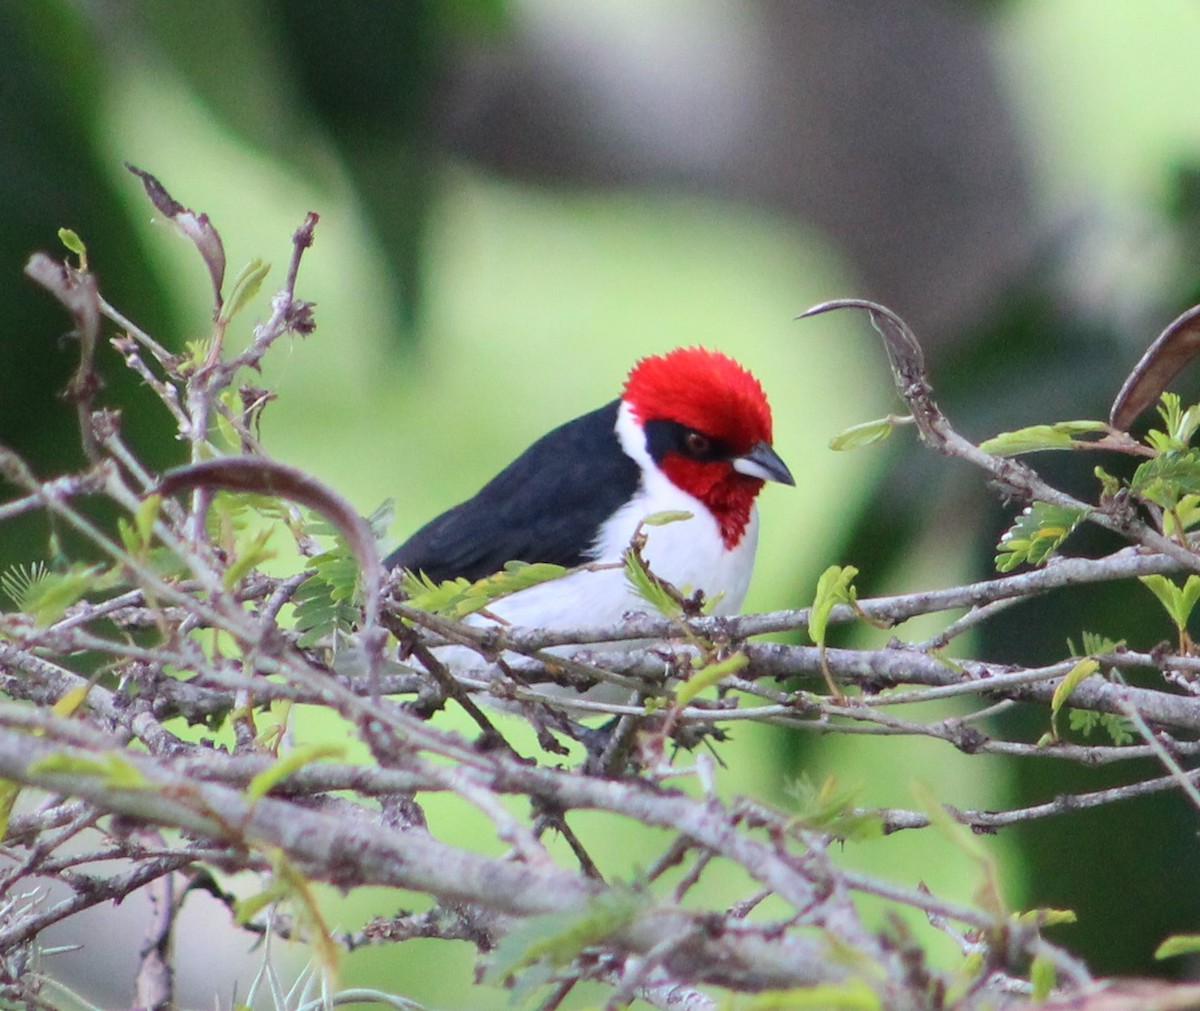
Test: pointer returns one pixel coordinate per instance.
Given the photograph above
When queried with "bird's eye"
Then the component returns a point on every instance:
(696, 444)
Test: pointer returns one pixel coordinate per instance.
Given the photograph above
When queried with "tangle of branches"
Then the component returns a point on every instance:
(164, 621)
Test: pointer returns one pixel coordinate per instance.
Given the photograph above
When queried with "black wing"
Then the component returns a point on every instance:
(545, 506)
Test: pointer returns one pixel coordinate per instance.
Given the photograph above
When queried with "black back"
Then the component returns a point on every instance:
(545, 506)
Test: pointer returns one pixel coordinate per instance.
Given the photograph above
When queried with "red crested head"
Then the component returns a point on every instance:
(704, 390)
(708, 427)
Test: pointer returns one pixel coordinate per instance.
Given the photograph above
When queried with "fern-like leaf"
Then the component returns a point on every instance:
(456, 598)
(45, 595)
(1038, 531)
(19, 581)
(1168, 477)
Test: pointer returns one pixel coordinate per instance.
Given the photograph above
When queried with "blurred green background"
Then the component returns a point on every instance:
(519, 199)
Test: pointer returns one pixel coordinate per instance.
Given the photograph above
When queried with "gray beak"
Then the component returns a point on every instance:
(763, 463)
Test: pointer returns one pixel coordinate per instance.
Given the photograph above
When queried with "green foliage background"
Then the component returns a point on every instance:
(460, 316)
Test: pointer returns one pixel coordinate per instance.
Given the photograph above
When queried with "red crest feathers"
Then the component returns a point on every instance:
(702, 389)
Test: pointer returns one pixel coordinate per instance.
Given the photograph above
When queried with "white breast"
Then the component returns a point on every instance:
(689, 554)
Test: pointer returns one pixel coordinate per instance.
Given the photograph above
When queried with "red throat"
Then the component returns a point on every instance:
(728, 494)
(711, 393)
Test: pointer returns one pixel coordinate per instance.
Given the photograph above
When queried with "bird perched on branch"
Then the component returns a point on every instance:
(691, 433)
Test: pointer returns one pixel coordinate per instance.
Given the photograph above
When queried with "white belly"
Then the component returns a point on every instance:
(674, 553)
(689, 554)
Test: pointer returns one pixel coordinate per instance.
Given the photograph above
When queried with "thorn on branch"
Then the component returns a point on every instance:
(907, 361)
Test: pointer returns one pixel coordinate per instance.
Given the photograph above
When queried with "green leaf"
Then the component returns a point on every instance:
(965, 979)
(649, 587)
(1085, 668)
(231, 400)
(116, 770)
(317, 616)
(865, 434)
(456, 598)
(988, 896)
(558, 937)
(70, 238)
(297, 758)
(244, 909)
(1183, 517)
(436, 598)
(1109, 485)
(1045, 917)
(70, 701)
(240, 510)
(245, 286)
(1168, 477)
(1169, 408)
(382, 518)
(1042, 977)
(709, 675)
(136, 534)
(665, 516)
(835, 586)
(1083, 720)
(1178, 944)
(1037, 532)
(195, 354)
(1177, 601)
(288, 883)
(146, 516)
(325, 603)
(9, 791)
(119, 773)
(45, 595)
(832, 810)
(1095, 644)
(1180, 425)
(515, 576)
(1120, 728)
(1041, 437)
(129, 537)
(19, 581)
(249, 555)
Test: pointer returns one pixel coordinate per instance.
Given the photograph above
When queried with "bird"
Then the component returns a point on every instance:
(690, 435)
